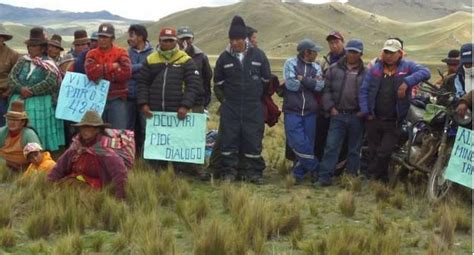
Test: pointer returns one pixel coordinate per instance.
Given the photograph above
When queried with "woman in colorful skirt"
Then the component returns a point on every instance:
(35, 78)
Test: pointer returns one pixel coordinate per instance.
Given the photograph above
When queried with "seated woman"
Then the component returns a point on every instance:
(88, 161)
(15, 135)
(40, 161)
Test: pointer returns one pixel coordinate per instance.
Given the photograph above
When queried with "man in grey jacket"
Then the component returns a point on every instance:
(340, 98)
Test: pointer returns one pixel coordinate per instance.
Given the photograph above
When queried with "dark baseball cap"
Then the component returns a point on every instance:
(106, 29)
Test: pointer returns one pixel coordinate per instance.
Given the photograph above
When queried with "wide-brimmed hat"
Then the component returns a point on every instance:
(80, 37)
(37, 37)
(31, 147)
(453, 58)
(56, 41)
(92, 119)
(5, 34)
(17, 111)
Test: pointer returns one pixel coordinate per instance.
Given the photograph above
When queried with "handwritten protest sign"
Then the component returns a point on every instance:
(78, 94)
(460, 164)
(171, 139)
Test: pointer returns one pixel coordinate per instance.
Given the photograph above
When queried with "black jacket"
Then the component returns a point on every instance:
(167, 85)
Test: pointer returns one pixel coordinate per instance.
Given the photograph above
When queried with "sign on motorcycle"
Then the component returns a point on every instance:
(460, 166)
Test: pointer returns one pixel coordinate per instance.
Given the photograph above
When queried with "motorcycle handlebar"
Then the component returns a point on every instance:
(434, 90)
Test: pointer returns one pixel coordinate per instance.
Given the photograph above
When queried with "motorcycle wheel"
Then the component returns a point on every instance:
(438, 186)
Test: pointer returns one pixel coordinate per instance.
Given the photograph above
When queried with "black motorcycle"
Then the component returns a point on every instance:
(426, 143)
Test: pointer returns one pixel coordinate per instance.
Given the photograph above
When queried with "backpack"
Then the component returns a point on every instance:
(123, 143)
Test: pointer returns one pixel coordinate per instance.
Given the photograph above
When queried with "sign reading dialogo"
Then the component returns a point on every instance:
(171, 139)
(78, 95)
(459, 168)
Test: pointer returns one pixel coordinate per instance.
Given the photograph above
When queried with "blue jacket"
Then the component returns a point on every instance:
(137, 58)
(298, 96)
(407, 71)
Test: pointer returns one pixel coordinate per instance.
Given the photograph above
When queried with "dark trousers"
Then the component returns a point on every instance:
(382, 137)
(136, 122)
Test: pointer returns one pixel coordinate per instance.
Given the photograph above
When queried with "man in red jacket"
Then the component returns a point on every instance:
(111, 63)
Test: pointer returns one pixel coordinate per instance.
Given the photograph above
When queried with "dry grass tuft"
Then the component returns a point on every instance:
(97, 243)
(142, 191)
(6, 208)
(387, 244)
(313, 210)
(436, 246)
(382, 192)
(7, 238)
(352, 183)
(214, 239)
(398, 200)
(154, 239)
(447, 226)
(316, 245)
(348, 240)
(119, 243)
(70, 244)
(380, 224)
(346, 203)
(111, 214)
(289, 182)
(41, 223)
(5, 174)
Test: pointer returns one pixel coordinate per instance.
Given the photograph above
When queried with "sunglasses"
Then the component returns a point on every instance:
(168, 40)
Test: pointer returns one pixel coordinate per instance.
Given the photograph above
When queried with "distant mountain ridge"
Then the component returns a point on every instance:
(9, 13)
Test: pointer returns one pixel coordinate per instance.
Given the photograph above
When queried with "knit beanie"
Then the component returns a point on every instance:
(237, 29)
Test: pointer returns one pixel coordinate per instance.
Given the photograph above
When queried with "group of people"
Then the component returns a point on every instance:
(328, 106)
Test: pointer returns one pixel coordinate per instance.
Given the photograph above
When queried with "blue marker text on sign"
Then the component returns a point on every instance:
(78, 94)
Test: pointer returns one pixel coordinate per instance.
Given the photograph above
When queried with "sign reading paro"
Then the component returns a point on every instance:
(78, 94)
(459, 168)
(171, 139)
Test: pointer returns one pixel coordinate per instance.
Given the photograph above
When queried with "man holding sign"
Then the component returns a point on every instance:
(168, 82)
(111, 63)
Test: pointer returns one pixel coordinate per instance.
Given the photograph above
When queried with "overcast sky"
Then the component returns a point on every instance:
(141, 10)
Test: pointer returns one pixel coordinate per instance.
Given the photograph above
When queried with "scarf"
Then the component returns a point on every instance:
(167, 54)
(46, 64)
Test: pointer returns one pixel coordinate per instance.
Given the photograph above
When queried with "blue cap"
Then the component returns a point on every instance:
(355, 45)
(308, 44)
(466, 53)
(94, 36)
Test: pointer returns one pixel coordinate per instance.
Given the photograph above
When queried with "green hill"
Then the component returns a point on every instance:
(282, 25)
(413, 10)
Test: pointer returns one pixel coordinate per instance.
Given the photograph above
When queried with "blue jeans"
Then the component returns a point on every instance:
(340, 126)
(3, 110)
(300, 134)
(115, 113)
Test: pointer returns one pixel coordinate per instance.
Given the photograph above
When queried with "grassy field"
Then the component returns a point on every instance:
(168, 214)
